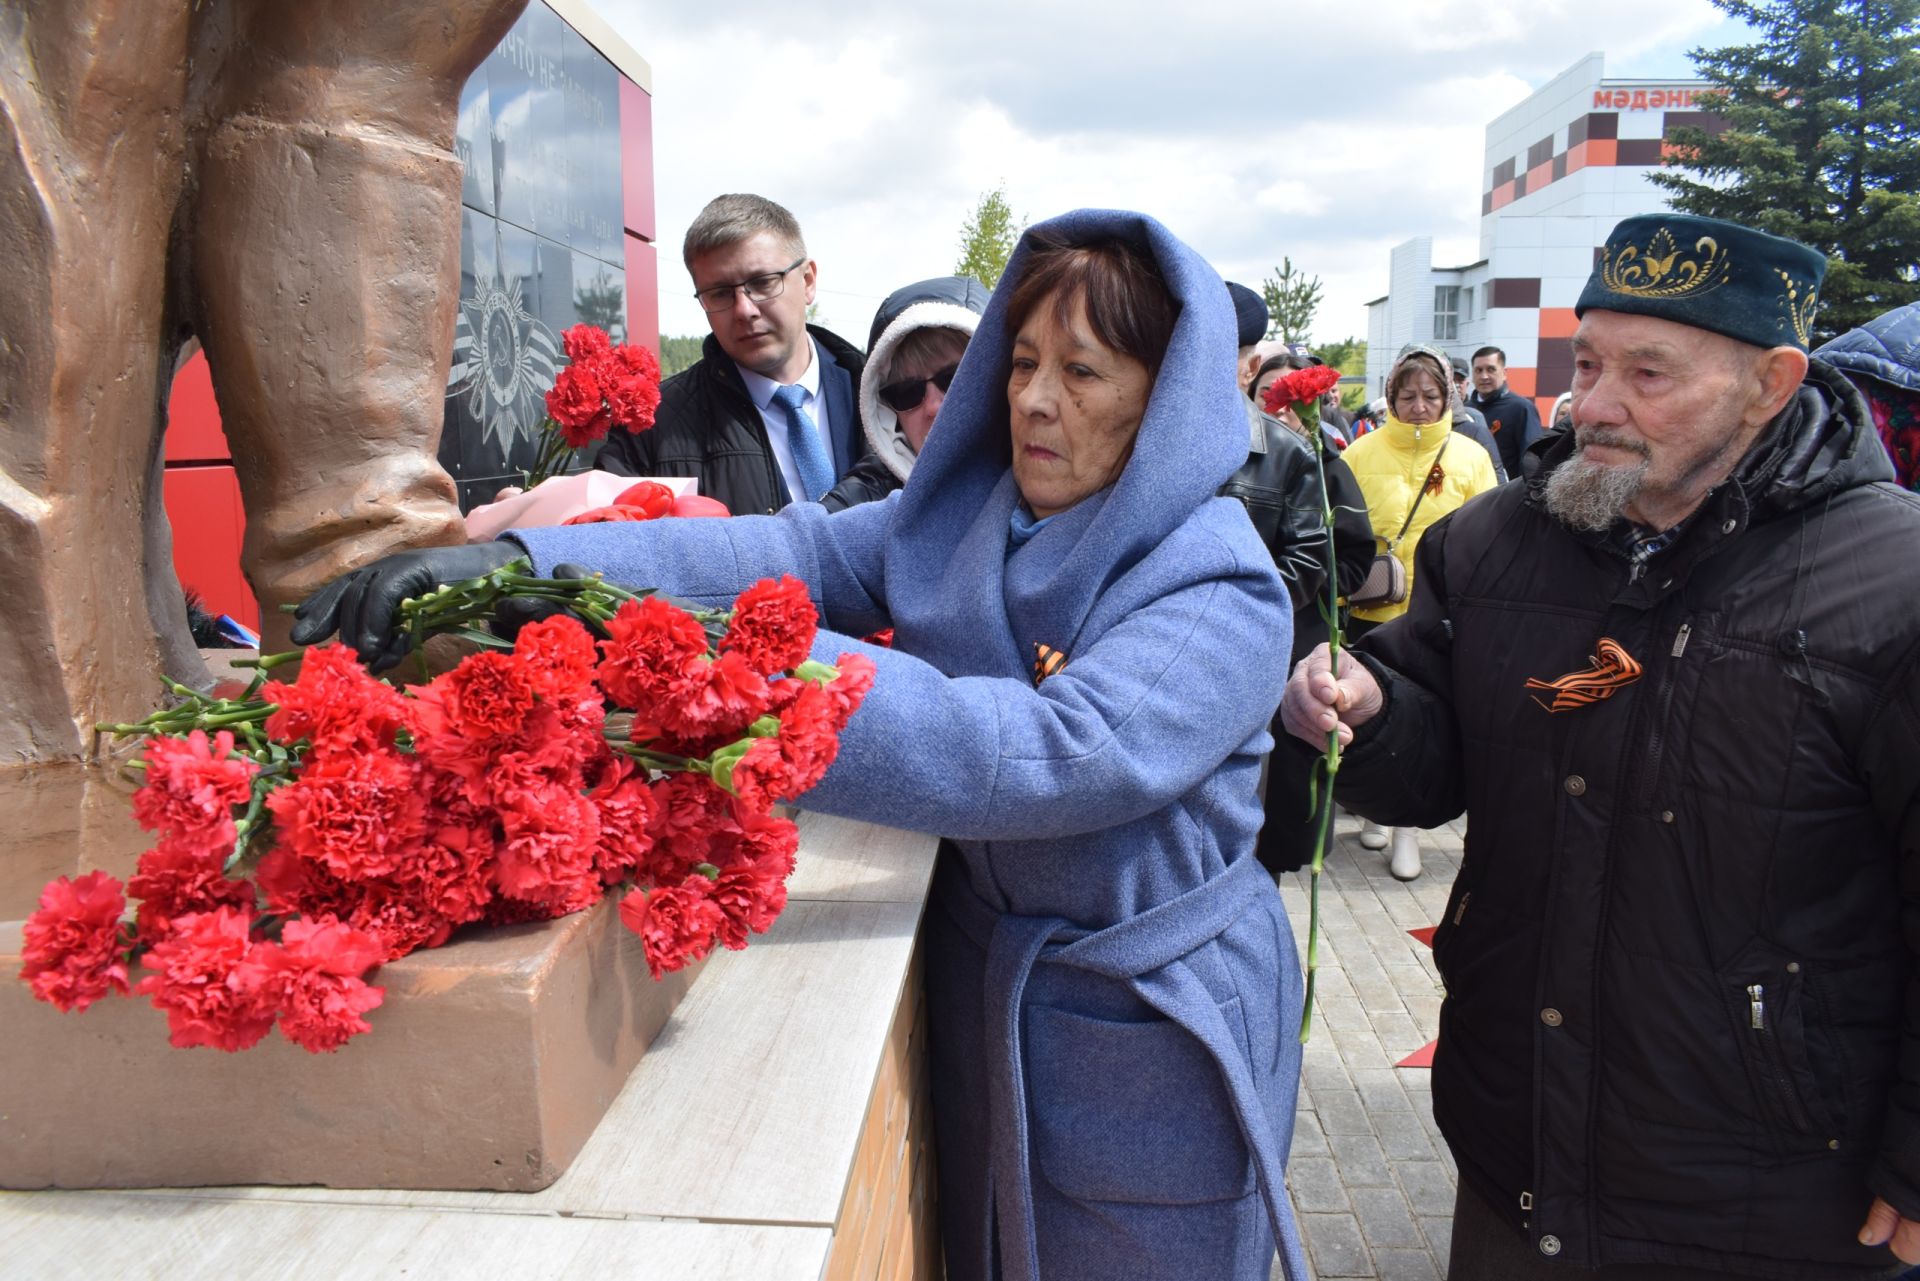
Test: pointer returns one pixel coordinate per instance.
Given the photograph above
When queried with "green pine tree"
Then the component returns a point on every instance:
(987, 238)
(1292, 299)
(1821, 144)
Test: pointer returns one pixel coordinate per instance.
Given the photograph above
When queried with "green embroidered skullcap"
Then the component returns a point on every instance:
(1711, 274)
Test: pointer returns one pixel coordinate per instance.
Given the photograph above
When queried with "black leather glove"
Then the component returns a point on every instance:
(361, 605)
(515, 612)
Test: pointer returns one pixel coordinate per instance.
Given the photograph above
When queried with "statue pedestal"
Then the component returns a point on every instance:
(490, 1062)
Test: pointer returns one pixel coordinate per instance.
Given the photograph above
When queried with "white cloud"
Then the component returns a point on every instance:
(1327, 131)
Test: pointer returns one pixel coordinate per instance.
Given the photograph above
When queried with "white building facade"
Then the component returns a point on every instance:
(1560, 170)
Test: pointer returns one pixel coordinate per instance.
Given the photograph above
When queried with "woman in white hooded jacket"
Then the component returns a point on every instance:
(915, 345)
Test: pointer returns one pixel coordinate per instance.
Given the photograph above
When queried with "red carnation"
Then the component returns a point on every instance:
(577, 403)
(359, 815)
(558, 654)
(650, 655)
(689, 813)
(676, 925)
(883, 638)
(487, 696)
(750, 895)
(725, 696)
(850, 688)
(1300, 386)
(586, 344)
(71, 946)
(335, 703)
(626, 808)
(547, 856)
(773, 625)
(612, 514)
(312, 978)
(633, 387)
(192, 787)
(208, 982)
(177, 877)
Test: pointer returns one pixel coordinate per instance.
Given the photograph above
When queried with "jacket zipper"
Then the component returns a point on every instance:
(1776, 1058)
(1459, 913)
(1657, 741)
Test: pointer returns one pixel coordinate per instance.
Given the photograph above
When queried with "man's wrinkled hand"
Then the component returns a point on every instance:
(1315, 702)
(1886, 1226)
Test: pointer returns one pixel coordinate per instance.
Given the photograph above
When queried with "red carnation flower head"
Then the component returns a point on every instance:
(689, 815)
(176, 877)
(208, 982)
(626, 808)
(586, 344)
(72, 946)
(577, 403)
(358, 816)
(849, 689)
(750, 897)
(551, 837)
(558, 655)
(725, 696)
(773, 625)
(488, 696)
(312, 978)
(676, 924)
(651, 655)
(633, 387)
(1300, 387)
(335, 703)
(192, 786)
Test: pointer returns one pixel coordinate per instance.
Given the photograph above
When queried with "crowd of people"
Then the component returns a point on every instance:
(1664, 655)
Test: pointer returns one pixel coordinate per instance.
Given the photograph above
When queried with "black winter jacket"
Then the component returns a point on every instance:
(707, 426)
(1515, 423)
(1681, 1023)
(1281, 492)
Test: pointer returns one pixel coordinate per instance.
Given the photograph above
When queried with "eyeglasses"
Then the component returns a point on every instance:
(759, 288)
(909, 392)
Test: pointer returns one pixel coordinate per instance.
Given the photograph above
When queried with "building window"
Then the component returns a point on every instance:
(1446, 312)
(1466, 304)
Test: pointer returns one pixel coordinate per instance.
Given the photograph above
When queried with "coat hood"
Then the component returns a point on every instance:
(945, 302)
(1192, 437)
(1886, 347)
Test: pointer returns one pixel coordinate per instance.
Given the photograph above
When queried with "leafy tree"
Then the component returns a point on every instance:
(987, 238)
(1292, 298)
(603, 304)
(1349, 356)
(1821, 143)
(678, 351)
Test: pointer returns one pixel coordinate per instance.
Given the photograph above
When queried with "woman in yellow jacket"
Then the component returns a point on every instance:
(1414, 453)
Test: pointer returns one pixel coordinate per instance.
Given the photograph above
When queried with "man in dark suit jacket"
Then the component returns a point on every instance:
(768, 415)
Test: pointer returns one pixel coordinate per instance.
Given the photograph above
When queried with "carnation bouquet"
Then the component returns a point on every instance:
(1301, 390)
(603, 385)
(309, 829)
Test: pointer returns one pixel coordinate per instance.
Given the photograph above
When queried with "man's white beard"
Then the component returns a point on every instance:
(1583, 494)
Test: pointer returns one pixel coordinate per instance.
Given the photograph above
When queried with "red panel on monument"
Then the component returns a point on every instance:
(643, 293)
(203, 506)
(193, 419)
(636, 158)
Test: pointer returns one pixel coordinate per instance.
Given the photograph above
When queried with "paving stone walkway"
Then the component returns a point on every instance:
(1372, 1180)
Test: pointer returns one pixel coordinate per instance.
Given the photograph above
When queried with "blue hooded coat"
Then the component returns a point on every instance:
(1112, 986)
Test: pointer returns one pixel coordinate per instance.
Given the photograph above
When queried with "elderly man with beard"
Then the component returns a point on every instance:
(1674, 681)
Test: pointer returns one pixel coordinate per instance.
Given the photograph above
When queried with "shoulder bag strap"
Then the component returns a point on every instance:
(1420, 493)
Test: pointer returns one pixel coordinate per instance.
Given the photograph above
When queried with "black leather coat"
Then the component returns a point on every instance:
(1681, 1023)
(707, 426)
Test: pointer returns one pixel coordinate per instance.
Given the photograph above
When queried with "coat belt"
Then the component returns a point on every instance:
(1141, 952)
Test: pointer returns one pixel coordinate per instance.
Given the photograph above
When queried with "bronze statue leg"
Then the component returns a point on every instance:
(91, 146)
(326, 246)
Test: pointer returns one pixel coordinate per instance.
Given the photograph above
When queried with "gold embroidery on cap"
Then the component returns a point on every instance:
(1663, 269)
(1799, 311)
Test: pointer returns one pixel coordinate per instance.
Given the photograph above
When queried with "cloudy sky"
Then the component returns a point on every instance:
(1327, 130)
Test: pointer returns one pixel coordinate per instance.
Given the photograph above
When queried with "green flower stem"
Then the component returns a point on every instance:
(267, 662)
(1329, 764)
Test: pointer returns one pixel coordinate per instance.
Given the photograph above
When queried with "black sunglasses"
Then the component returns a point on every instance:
(908, 393)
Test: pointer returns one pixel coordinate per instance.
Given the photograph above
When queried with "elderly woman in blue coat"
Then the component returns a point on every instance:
(1112, 985)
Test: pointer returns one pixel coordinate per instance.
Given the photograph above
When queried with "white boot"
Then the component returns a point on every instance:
(1405, 860)
(1372, 835)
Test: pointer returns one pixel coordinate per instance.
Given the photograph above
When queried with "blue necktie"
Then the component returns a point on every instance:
(803, 438)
